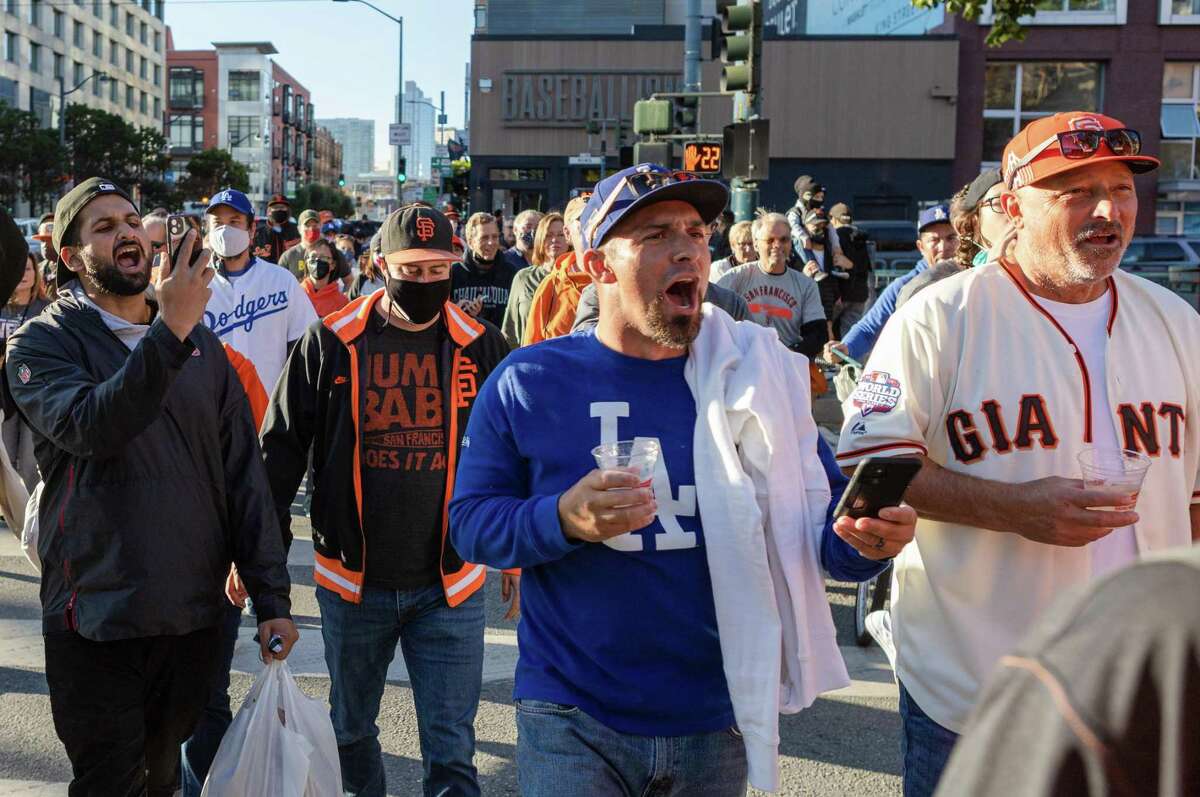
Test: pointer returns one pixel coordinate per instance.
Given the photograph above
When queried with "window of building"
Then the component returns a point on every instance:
(97, 83)
(112, 14)
(35, 13)
(243, 130)
(129, 97)
(35, 57)
(97, 44)
(143, 103)
(143, 68)
(59, 23)
(1016, 93)
(114, 88)
(8, 92)
(1070, 12)
(11, 47)
(129, 61)
(157, 75)
(98, 8)
(243, 86)
(186, 131)
(114, 53)
(10, 6)
(143, 33)
(129, 23)
(157, 42)
(1179, 12)
(59, 65)
(77, 73)
(158, 8)
(77, 34)
(185, 87)
(1177, 218)
(157, 107)
(1180, 122)
(39, 105)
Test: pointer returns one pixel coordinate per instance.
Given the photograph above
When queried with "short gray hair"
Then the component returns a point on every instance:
(527, 215)
(766, 221)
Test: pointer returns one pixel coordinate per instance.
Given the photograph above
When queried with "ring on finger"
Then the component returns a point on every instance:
(879, 544)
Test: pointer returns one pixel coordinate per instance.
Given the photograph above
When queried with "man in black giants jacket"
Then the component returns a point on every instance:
(154, 484)
(381, 390)
(481, 282)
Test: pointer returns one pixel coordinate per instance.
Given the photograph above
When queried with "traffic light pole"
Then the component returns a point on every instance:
(744, 198)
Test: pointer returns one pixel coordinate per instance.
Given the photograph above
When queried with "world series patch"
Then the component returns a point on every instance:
(877, 391)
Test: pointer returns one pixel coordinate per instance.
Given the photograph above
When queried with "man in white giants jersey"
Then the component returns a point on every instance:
(998, 378)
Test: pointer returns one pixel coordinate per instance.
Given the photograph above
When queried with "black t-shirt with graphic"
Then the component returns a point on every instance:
(403, 456)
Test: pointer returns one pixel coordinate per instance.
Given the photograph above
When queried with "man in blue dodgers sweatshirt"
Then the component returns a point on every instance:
(619, 687)
(936, 241)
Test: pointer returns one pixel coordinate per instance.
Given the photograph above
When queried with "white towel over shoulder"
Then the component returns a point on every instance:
(763, 496)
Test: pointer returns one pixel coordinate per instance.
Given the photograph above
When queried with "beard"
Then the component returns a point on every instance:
(673, 333)
(111, 280)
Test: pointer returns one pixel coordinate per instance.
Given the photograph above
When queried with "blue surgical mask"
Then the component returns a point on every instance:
(980, 258)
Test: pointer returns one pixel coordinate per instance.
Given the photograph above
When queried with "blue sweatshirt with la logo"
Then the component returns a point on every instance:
(624, 630)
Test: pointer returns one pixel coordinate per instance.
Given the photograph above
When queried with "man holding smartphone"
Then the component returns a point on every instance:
(143, 427)
(1000, 379)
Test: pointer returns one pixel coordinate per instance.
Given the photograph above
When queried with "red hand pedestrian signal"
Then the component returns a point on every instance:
(701, 157)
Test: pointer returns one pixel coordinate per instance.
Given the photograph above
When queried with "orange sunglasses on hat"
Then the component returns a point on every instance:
(1065, 141)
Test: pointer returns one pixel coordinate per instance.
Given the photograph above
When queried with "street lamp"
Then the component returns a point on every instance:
(62, 102)
(399, 60)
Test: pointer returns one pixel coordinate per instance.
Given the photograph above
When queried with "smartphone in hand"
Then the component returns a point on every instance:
(877, 482)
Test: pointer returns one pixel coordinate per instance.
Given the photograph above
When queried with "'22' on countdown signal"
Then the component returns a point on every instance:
(702, 157)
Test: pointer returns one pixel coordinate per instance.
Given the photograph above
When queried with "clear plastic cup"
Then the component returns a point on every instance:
(1114, 468)
(638, 457)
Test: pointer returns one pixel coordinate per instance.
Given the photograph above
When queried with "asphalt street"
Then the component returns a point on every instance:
(845, 744)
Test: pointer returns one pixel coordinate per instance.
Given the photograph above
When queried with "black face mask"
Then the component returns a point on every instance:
(419, 301)
(318, 269)
(527, 239)
(279, 216)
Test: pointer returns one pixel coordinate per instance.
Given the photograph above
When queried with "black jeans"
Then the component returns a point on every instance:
(122, 708)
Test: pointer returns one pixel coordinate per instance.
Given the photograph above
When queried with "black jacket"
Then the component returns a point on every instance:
(153, 478)
(470, 282)
(317, 402)
(854, 246)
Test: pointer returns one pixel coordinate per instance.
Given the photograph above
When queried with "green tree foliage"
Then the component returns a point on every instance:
(103, 144)
(1005, 15)
(30, 160)
(210, 171)
(320, 197)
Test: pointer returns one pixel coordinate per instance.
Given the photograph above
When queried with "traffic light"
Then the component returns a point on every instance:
(741, 45)
(652, 116)
(686, 114)
(746, 149)
(341, 181)
(402, 170)
(653, 152)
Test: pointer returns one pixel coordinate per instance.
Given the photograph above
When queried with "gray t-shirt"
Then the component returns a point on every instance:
(785, 302)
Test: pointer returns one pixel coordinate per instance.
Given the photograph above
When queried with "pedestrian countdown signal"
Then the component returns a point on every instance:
(702, 157)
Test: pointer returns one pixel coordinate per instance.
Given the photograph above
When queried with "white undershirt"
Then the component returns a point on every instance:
(1087, 324)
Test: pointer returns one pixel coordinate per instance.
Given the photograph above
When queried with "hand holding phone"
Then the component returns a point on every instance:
(870, 516)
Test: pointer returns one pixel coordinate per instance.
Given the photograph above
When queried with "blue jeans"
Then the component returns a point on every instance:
(197, 752)
(925, 747)
(561, 750)
(443, 651)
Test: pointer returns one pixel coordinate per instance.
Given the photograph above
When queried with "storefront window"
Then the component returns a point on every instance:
(1016, 93)
(1180, 122)
(517, 175)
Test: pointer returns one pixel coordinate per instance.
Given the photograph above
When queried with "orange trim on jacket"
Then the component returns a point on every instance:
(552, 309)
(348, 324)
(247, 374)
(326, 300)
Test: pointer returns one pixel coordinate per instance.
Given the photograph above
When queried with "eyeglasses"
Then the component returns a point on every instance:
(640, 183)
(994, 204)
(1080, 144)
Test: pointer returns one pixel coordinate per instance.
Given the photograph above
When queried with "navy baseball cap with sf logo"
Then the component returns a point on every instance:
(417, 234)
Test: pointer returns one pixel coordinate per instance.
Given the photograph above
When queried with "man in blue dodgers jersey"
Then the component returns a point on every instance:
(619, 686)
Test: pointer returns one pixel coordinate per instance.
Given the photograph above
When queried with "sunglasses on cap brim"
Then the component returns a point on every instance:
(640, 183)
(1082, 144)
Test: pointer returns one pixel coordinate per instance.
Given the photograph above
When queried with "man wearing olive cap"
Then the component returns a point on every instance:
(153, 486)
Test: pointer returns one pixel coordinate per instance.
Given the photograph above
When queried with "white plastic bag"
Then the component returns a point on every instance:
(281, 744)
(29, 534)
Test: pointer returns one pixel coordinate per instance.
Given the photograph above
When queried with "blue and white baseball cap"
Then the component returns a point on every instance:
(938, 214)
(642, 185)
(233, 198)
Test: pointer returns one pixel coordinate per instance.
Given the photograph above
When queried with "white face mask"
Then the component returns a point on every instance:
(228, 242)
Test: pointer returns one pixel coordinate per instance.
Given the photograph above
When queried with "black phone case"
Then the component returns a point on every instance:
(877, 482)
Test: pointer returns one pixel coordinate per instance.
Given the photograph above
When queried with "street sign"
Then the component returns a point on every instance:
(399, 135)
(584, 159)
(702, 157)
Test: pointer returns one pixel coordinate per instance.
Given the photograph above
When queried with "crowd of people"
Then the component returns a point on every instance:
(446, 388)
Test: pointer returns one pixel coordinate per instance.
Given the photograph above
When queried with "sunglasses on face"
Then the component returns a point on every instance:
(640, 183)
(1081, 144)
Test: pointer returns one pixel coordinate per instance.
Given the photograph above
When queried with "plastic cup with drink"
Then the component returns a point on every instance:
(639, 457)
(1114, 469)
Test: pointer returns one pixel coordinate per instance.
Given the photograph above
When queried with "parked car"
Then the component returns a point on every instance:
(894, 243)
(1155, 253)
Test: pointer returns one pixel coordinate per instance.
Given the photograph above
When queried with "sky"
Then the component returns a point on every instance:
(344, 53)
